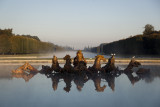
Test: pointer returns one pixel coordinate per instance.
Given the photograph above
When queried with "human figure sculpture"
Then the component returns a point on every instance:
(79, 58)
(80, 62)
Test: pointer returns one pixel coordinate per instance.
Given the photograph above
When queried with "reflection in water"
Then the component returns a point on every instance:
(25, 76)
(80, 79)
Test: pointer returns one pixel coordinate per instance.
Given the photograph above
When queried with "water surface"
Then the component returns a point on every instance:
(41, 90)
(79, 91)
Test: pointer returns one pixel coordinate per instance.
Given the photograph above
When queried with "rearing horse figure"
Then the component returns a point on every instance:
(133, 63)
(97, 63)
(110, 66)
(67, 67)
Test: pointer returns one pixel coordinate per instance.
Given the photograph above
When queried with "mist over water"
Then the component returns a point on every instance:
(72, 54)
(61, 54)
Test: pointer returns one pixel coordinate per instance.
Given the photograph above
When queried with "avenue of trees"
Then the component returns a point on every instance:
(147, 43)
(23, 44)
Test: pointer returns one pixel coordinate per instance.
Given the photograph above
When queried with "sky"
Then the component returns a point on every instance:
(79, 23)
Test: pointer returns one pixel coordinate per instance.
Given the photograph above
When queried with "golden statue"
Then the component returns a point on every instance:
(26, 67)
(79, 58)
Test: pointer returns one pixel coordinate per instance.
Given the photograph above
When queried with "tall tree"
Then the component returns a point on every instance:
(148, 29)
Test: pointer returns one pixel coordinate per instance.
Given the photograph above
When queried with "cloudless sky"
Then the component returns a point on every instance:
(79, 23)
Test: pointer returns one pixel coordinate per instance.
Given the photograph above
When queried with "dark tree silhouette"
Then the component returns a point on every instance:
(148, 29)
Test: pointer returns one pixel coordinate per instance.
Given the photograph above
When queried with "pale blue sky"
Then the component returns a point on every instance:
(79, 23)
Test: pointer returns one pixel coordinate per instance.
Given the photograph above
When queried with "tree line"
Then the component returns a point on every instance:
(23, 44)
(147, 43)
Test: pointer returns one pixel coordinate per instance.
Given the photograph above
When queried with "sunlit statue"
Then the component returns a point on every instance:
(97, 63)
(79, 58)
(25, 71)
(25, 68)
(80, 63)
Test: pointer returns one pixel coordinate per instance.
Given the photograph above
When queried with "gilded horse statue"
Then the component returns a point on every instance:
(97, 63)
(132, 63)
(25, 68)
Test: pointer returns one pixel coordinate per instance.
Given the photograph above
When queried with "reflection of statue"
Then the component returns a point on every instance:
(143, 71)
(133, 79)
(67, 79)
(25, 76)
(110, 66)
(110, 79)
(146, 75)
(97, 83)
(67, 67)
(25, 68)
(55, 80)
(79, 58)
(79, 80)
(97, 63)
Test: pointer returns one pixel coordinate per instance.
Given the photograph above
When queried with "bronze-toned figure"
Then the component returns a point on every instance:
(110, 66)
(79, 58)
(67, 67)
(26, 67)
(97, 63)
(55, 65)
(133, 63)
